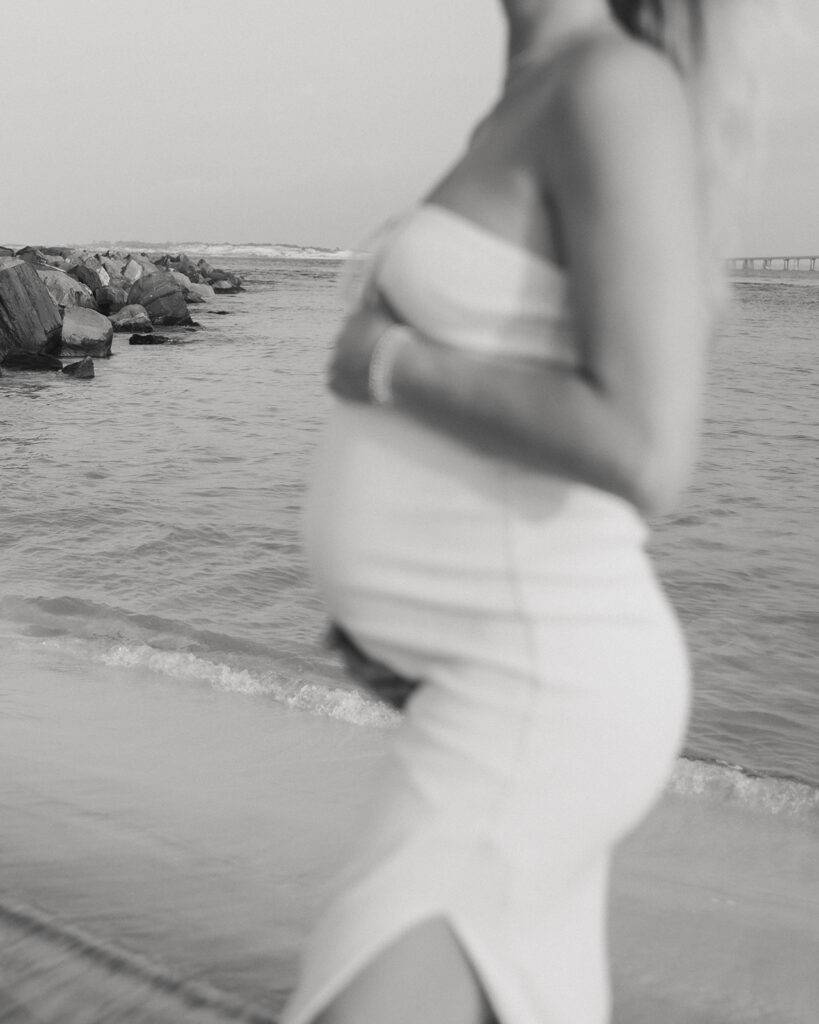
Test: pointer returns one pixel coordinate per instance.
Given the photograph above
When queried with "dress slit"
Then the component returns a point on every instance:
(399, 896)
(479, 961)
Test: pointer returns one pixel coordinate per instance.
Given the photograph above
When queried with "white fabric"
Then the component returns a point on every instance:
(456, 282)
(555, 681)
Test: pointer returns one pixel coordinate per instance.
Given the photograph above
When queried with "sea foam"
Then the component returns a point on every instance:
(691, 778)
(353, 706)
(733, 785)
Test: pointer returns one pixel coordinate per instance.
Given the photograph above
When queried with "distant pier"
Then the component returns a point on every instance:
(772, 262)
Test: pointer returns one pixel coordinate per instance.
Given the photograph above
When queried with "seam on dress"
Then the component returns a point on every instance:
(519, 608)
(518, 603)
(526, 728)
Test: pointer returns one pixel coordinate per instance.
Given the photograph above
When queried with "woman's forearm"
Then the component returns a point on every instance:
(548, 416)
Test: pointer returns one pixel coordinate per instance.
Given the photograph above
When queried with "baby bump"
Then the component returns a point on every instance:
(494, 583)
(400, 513)
(394, 506)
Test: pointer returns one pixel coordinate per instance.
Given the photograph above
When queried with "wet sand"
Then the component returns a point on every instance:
(151, 871)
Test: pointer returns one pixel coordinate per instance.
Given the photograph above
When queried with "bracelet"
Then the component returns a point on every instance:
(382, 364)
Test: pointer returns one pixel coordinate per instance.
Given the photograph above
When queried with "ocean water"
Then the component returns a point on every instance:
(739, 559)
(161, 665)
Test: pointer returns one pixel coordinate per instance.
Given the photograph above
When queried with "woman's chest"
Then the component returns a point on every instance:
(497, 184)
(464, 285)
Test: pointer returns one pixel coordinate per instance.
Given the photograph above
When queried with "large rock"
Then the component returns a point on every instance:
(65, 290)
(200, 289)
(6, 251)
(29, 317)
(222, 280)
(148, 339)
(225, 287)
(190, 293)
(148, 266)
(56, 250)
(86, 333)
(91, 272)
(131, 272)
(16, 360)
(114, 266)
(162, 298)
(206, 270)
(132, 318)
(83, 370)
(181, 279)
(186, 266)
(32, 254)
(111, 299)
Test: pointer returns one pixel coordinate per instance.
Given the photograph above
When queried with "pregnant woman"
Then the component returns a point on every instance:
(519, 385)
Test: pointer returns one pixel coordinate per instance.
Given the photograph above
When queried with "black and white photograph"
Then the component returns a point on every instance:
(409, 547)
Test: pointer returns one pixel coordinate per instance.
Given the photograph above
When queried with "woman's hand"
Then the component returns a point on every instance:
(348, 375)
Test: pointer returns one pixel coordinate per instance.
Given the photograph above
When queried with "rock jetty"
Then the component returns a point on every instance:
(30, 320)
(56, 301)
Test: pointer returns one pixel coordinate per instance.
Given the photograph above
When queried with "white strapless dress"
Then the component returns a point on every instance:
(555, 682)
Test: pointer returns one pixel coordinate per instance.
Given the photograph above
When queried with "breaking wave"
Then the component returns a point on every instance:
(732, 784)
(692, 777)
(346, 705)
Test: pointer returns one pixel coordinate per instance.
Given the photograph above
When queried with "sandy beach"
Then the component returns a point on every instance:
(147, 877)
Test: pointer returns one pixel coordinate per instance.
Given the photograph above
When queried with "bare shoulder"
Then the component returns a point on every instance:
(614, 95)
(615, 74)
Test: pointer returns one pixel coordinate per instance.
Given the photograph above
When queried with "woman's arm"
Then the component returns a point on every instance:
(622, 178)
(546, 416)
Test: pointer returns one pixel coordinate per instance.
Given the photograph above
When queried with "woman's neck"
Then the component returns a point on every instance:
(538, 27)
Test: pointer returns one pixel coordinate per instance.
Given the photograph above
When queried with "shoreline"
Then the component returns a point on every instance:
(168, 845)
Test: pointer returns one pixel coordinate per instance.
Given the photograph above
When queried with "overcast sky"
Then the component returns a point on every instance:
(302, 121)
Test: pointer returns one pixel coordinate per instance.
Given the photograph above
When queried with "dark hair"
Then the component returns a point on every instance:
(649, 20)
